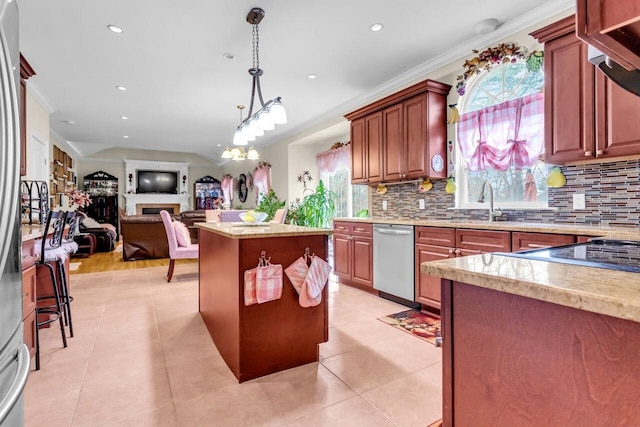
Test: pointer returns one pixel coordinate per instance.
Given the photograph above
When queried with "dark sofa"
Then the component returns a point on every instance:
(143, 236)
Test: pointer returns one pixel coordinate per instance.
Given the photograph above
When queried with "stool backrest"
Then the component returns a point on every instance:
(73, 223)
(54, 230)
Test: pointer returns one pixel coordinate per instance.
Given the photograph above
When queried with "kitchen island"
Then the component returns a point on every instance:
(529, 342)
(259, 339)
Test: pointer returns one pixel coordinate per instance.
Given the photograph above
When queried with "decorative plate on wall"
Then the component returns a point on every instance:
(242, 188)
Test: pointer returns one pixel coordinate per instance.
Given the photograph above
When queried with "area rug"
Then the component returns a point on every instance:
(417, 324)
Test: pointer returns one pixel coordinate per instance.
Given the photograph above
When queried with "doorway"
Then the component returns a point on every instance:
(38, 167)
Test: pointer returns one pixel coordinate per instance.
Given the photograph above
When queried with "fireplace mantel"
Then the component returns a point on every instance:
(157, 200)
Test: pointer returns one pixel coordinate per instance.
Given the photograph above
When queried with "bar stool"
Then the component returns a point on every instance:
(70, 246)
(51, 251)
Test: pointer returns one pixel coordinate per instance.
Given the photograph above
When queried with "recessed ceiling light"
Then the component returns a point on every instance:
(69, 122)
(115, 29)
(486, 26)
(126, 137)
(376, 27)
(312, 76)
(229, 56)
(121, 88)
(218, 145)
(124, 117)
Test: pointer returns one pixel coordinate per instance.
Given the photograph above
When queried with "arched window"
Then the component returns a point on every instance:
(500, 137)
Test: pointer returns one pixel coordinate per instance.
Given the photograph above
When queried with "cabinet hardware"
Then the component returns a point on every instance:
(25, 295)
(534, 245)
(599, 152)
(588, 153)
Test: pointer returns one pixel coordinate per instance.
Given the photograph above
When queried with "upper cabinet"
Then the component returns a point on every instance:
(402, 136)
(613, 27)
(25, 72)
(586, 115)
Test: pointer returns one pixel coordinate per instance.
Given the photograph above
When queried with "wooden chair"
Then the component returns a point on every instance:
(176, 251)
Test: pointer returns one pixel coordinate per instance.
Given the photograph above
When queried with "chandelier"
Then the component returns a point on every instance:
(238, 153)
(270, 113)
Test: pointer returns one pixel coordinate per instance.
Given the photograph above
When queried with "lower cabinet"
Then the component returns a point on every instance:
(353, 254)
(436, 243)
(29, 295)
(522, 241)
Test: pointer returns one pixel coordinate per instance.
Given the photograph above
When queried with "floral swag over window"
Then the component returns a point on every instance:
(503, 135)
(337, 157)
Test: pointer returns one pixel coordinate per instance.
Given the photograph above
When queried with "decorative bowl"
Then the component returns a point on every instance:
(253, 217)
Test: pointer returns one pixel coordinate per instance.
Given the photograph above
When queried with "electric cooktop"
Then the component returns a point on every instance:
(603, 253)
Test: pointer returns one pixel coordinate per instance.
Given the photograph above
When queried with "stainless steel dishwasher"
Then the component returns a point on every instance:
(393, 261)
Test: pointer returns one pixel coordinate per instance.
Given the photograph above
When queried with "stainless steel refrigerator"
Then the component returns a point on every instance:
(14, 356)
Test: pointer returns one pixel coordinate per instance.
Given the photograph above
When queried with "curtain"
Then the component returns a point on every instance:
(227, 188)
(331, 161)
(503, 135)
(262, 180)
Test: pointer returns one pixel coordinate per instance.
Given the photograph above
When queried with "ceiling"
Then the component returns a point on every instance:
(182, 93)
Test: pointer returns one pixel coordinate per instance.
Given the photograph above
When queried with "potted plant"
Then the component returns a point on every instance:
(269, 204)
(315, 210)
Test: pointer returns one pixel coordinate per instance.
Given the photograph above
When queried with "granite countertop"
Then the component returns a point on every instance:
(31, 232)
(610, 292)
(533, 227)
(238, 230)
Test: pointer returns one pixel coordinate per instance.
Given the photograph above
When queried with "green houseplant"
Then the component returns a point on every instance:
(315, 209)
(269, 204)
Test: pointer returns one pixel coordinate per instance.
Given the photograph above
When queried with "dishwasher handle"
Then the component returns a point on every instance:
(393, 232)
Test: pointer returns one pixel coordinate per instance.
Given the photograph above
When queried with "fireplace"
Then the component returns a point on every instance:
(155, 208)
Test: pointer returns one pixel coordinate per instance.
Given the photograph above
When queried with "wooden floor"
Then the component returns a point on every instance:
(109, 261)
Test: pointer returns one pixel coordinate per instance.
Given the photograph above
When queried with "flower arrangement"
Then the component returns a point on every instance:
(500, 54)
(77, 197)
(304, 178)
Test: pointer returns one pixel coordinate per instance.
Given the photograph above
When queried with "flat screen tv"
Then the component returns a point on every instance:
(157, 182)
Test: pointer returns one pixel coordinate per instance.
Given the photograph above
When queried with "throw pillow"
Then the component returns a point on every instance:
(182, 234)
(90, 223)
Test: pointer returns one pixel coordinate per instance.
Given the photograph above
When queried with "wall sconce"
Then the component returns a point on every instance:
(184, 179)
(130, 178)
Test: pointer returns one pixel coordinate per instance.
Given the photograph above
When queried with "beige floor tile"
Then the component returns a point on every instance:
(354, 412)
(186, 339)
(363, 369)
(163, 417)
(78, 349)
(112, 322)
(300, 391)
(237, 405)
(123, 397)
(339, 342)
(192, 378)
(419, 402)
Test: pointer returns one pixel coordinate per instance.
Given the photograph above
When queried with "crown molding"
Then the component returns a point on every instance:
(32, 88)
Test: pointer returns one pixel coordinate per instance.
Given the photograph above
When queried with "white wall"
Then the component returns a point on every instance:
(37, 124)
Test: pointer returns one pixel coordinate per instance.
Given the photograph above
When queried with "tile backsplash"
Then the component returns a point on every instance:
(612, 192)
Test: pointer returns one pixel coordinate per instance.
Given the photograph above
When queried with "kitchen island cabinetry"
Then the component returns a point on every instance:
(353, 254)
(29, 295)
(402, 136)
(586, 115)
(259, 339)
(508, 310)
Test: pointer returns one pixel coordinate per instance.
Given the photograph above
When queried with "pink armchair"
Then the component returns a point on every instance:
(176, 251)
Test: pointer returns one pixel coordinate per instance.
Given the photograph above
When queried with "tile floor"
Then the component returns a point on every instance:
(141, 356)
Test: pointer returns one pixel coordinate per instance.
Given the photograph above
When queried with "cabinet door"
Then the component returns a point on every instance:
(28, 290)
(428, 287)
(358, 152)
(617, 133)
(415, 137)
(362, 267)
(374, 147)
(569, 100)
(342, 256)
(523, 241)
(393, 143)
(29, 332)
(436, 134)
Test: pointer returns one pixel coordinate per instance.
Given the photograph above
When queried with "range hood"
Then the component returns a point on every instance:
(629, 80)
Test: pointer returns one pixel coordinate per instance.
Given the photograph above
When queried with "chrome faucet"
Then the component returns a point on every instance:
(493, 214)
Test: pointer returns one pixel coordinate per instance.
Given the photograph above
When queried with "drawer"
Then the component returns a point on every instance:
(524, 241)
(438, 236)
(28, 254)
(483, 240)
(28, 290)
(342, 227)
(362, 229)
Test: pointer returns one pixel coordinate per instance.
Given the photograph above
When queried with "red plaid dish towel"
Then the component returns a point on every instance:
(262, 284)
